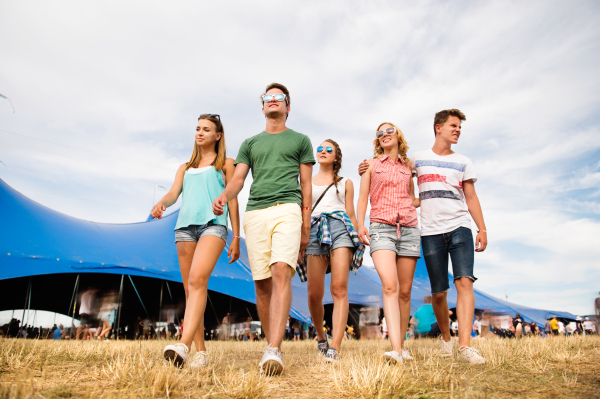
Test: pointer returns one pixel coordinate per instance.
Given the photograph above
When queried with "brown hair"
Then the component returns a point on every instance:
(337, 163)
(402, 145)
(442, 117)
(219, 146)
(282, 88)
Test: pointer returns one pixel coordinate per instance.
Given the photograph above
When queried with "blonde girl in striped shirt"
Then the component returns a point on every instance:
(393, 233)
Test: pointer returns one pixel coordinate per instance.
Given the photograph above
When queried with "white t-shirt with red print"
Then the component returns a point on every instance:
(440, 181)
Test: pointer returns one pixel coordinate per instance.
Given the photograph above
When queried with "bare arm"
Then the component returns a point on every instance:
(233, 188)
(171, 197)
(416, 201)
(363, 201)
(234, 214)
(350, 203)
(476, 213)
(306, 186)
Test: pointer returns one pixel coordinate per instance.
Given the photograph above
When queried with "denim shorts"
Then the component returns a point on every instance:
(384, 236)
(339, 238)
(194, 232)
(459, 244)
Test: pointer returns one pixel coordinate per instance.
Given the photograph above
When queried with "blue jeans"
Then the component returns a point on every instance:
(436, 248)
(194, 232)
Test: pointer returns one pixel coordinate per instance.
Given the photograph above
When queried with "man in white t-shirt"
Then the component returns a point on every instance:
(448, 202)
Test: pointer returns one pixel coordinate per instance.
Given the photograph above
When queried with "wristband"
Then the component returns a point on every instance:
(485, 231)
(236, 236)
(306, 207)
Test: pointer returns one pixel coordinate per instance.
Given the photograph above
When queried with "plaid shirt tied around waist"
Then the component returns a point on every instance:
(324, 238)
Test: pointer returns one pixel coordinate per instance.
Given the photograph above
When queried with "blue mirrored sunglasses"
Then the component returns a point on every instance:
(328, 149)
(268, 97)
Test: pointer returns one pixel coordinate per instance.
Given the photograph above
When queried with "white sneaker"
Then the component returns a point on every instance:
(176, 353)
(470, 355)
(445, 348)
(272, 361)
(199, 360)
(392, 357)
(406, 355)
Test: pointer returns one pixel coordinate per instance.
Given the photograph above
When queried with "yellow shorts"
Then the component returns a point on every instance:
(272, 235)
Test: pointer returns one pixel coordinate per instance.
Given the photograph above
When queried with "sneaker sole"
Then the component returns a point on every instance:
(272, 367)
(172, 356)
(330, 360)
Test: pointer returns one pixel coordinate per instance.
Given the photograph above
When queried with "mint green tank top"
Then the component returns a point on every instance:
(200, 188)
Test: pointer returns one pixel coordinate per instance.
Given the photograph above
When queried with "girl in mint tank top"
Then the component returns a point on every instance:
(200, 235)
(394, 235)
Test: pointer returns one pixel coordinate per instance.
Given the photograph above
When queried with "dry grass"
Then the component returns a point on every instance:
(532, 368)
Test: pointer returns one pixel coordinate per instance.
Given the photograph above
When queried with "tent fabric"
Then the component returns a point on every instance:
(36, 240)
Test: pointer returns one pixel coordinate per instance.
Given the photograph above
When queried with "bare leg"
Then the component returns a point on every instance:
(385, 263)
(207, 252)
(317, 267)
(406, 266)
(520, 330)
(264, 289)
(280, 303)
(442, 315)
(341, 259)
(465, 308)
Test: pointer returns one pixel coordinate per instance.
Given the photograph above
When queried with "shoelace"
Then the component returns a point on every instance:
(185, 348)
(468, 348)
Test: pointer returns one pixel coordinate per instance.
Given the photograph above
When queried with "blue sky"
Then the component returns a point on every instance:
(108, 95)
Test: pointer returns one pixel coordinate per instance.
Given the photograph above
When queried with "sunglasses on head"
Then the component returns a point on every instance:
(321, 148)
(380, 133)
(268, 97)
(204, 116)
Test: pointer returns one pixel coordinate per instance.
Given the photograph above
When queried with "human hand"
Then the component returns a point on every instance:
(234, 250)
(363, 235)
(157, 210)
(362, 168)
(218, 204)
(481, 241)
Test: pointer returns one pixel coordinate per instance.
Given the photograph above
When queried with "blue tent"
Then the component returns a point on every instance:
(36, 240)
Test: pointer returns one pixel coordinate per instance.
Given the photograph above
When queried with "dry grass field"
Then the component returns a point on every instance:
(531, 367)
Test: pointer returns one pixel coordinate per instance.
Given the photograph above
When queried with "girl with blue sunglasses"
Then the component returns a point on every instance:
(333, 246)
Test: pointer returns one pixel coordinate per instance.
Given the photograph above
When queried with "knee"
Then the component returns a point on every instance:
(389, 289)
(196, 283)
(404, 295)
(339, 291)
(438, 298)
(315, 297)
(281, 272)
(463, 283)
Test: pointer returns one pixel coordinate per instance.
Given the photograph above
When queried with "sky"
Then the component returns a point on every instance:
(107, 96)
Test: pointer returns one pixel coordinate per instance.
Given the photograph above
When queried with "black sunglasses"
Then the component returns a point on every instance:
(204, 116)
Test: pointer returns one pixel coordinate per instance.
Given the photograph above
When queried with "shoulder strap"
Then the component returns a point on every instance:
(322, 195)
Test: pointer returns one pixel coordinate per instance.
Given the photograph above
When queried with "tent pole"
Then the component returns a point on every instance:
(73, 297)
(138, 294)
(74, 302)
(25, 305)
(213, 308)
(160, 302)
(120, 300)
(172, 301)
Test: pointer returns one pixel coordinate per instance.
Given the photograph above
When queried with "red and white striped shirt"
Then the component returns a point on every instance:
(390, 194)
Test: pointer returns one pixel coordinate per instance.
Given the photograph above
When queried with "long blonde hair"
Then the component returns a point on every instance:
(402, 145)
(219, 146)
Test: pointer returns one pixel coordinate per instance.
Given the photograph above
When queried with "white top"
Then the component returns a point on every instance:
(440, 181)
(332, 201)
(384, 325)
(195, 171)
(86, 303)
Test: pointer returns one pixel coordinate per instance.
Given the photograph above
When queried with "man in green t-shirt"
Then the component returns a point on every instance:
(277, 229)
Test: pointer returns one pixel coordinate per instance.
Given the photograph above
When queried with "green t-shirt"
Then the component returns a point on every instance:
(275, 161)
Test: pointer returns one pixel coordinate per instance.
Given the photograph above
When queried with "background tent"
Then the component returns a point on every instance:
(38, 241)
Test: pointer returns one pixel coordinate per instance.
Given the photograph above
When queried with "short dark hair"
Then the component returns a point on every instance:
(442, 117)
(283, 89)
